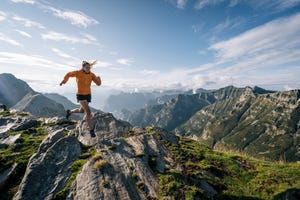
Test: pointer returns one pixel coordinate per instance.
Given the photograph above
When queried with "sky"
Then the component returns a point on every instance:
(152, 44)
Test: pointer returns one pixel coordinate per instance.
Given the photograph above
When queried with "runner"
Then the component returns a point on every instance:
(84, 78)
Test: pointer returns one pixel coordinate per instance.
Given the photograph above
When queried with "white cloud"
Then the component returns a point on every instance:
(203, 3)
(278, 34)
(113, 53)
(3, 16)
(125, 61)
(23, 1)
(27, 22)
(61, 53)
(55, 36)
(90, 37)
(103, 64)
(75, 17)
(229, 24)
(23, 33)
(256, 4)
(30, 61)
(288, 3)
(9, 40)
(244, 59)
(150, 72)
(181, 3)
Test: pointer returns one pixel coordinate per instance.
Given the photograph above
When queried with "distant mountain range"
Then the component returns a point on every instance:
(125, 103)
(180, 108)
(255, 121)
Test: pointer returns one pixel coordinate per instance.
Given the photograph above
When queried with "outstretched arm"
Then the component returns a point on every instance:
(96, 80)
(67, 76)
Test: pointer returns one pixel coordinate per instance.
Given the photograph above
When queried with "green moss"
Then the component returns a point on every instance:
(134, 175)
(105, 184)
(140, 185)
(6, 113)
(19, 153)
(86, 153)
(232, 176)
(75, 169)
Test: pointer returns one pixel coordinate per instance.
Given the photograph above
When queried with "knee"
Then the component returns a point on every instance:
(88, 112)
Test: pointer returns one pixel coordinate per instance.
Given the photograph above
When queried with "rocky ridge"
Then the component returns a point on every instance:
(121, 162)
(264, 125)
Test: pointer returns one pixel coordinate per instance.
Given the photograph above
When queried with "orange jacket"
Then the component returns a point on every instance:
(83, 80)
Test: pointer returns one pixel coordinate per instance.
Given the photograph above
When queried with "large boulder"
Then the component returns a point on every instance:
(126, 162)
(48, 170)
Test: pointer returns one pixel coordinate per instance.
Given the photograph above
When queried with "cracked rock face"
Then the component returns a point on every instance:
(125, 166)
(130, 157)
(48, 169)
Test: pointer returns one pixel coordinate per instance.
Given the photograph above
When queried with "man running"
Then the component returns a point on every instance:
(84, 78)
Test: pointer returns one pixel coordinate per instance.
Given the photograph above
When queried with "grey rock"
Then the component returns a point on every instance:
(26, 124)
(48, 169)
(131, 156)
(10, 139)
(4, 176)
(106, 127)
(39, 105)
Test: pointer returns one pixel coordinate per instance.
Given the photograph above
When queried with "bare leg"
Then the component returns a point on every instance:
(77, 110)
(85, 105)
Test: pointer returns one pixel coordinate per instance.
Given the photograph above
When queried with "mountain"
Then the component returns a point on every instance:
(12, 89)
(40, 106)
(65, 102)
(172, 113)
(255, 121)
(180, 108)
(17, 94)
(57, 159)
(262, 125)
(124, 102)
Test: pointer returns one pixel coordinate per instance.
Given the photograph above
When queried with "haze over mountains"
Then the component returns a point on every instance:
(165, 152)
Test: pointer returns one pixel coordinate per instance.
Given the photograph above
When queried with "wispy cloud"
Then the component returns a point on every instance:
(9, 40)
(288, 4)
(23, 1)
(204, 3)
(23, 33)
(55, 36)
(150, 72)
(30, 60)
(229, 24)
(178, 3)
(265, 38)
(256, 4)
(3, 16)
(27, 22)
(181, 3)
(74, 17)
(125, 61)
(103, 64)
(61, 53)
(253, 52)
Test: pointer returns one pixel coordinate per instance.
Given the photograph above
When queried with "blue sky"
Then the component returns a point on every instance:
(152, 44)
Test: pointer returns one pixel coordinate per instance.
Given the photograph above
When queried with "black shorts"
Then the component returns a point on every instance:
(81, 97)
